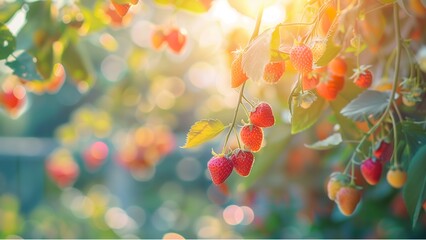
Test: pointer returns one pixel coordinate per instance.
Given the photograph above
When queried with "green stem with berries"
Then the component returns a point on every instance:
(240, 97)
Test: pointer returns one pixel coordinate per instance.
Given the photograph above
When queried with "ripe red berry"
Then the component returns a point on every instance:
(238, 76)
(252, 137)
(329, 89)
(347, 199)
(13, 100)
(371, 170)
(220, 168)
(243, 162)
(301, 58)
(273, 72)
(337, 67)
(121, 9)
(364, 80)
(384, 151)
(309, 81)
(262, 116)
(176, 39)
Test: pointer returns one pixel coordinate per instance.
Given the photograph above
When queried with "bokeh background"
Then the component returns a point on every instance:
(101, 159)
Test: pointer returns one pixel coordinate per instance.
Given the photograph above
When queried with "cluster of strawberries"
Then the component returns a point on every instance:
(251, 134)
(347, 195)
(328, 80)
(174, 37)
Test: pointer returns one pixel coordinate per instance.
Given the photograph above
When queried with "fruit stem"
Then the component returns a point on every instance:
(240, 97)
(238, 139)
(395, 140)
(245, 110)
(352, 172)
(398, 113)
(248, 101)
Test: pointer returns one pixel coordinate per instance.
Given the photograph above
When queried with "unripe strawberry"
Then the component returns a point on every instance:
(384, 151)
(243, 162)
(220, 168)
(301, 58)
(371, 170)
(262, 116)
(396, 177)
(347, 199)
(273, 72)
(238, 76)
(337, 67)
(176, 39)
(252, 137)
(333, 186)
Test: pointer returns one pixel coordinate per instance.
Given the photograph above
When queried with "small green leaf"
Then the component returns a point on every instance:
(414, 191)
(24, 67)
(369, 103)
(276, 54)
(331, 51)
(328, 143)
(202, 131)
(303, 119)
(7, 42)
(77, 66)
(8, 10)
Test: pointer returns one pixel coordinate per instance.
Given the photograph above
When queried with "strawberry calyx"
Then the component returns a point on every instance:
(361, 70)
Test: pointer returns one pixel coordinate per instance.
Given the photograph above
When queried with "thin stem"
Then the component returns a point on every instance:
(352, 173)
(238, 139)
(398, 113)
(245, 109)
(248, 101)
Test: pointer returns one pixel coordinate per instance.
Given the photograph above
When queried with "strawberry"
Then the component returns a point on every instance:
(301, 58)
(220, 168)
(238, 76)
(13, 100)
(262, 115)
(329, 89)
(309, 81)
(362, 77)
(158, 38)
(371, 170)
(243, 162)
(176, 39)
(337, 181)
(396, 177)
(252, 137)
(347, 199)
(337, 67)
(121, 9)
(384, 151)
(318, 49)
(273, 72)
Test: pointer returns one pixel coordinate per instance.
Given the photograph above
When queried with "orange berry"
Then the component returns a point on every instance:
(347, 199)
(396, 177)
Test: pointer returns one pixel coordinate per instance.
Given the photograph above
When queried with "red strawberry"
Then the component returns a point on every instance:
(273, 72)
(329, 89)
(347, 199)
(252, 137)
(362, 77)
(371, 171)
(384, 151)
(301, 58)
(262, 115)
(243, 161)
(309, 81)
(238, 76)
(337, 67)
(176, 38)
(220, 168)
(121, 9)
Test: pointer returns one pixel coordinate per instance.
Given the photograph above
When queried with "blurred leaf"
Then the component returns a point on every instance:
(303, 119)
(369, 103)
(7, 42)
(414, 190)
(24, 67)
(415, 135)
(276, 54)
(77, 66)
(328, 143)
(195, 6)
(94, 19)
(8, 10)
(44, 56)
(249, 7)
(257, 55)
(202, 131)
(331, 51)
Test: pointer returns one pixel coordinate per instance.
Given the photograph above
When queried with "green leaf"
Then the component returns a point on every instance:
(8, 10)
(414, 191)
(202, 131)
(7, 42)
(331, 51)
(24, 67)
(76, 65)
(328, 143)
(369, 103)
(303, 119)
(276, 54)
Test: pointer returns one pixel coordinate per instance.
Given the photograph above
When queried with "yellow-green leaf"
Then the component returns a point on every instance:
(202, 131)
